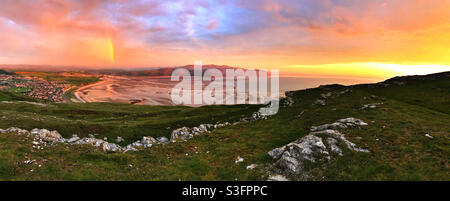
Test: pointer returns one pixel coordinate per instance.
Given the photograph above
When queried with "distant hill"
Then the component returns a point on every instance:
(434, 76)
(125, 71)
(166, 71)
(6, 72)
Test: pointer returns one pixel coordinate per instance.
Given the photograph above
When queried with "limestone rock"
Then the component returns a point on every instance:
(110, 147)
(46, 135)
(336, 125)
(239, 160)
(181, 134)
(320, 102)
(277, 177)
(291, 157)
(294, 154)
(333, 146)
(148, 142)
(162, 139)
(73, 139)
(119, 139)
(352, 122)
(251, 167)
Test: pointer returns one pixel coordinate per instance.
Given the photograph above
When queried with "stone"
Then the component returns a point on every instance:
(129, 148)
(333, 146)
(219, 125)
(119, 139)
(326, 95)
(277, 152)
(183, 134)
(251, 167)
(73, 139)
(352, 121)
(320, 102)
(289, 101)
(110, 147)
(335, 125)
(290, 158)
(294, 154)
(277, 177)
(148, 142)
(429, 136)
(162, 139)
(239, 160)
(371, 106)
(46, 135)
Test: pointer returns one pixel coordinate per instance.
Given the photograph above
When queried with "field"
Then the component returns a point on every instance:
(73, 79)
(410, 109)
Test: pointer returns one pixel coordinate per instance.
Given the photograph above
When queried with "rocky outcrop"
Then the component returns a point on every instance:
(292, 156)
(288, 100)
(277, 177)
(44, 137)
(290, 159)
(181, 134)
(186, 133)
(323, 97)
(119, 139)
(320, 102)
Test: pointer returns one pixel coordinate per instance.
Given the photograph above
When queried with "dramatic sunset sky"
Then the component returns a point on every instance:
(374, 38)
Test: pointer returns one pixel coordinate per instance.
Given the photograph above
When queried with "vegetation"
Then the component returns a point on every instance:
(76, 80)
(395, 136)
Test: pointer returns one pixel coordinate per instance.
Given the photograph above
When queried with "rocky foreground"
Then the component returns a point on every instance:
(291, 158)
(43, 137)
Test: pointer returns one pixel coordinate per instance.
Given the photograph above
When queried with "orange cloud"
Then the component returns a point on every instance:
(283, 33)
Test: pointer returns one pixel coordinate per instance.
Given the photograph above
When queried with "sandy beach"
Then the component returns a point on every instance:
(121, 89)
(154, 90)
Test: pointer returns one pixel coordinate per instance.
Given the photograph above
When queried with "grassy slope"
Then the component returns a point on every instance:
(395, 136)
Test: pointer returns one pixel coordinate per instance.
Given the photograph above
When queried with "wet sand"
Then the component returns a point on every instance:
(153, 90)
(120, 89)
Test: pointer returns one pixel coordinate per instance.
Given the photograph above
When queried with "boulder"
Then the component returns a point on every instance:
(293, 155)
(110, 147)
(148, 142)
(333, 146)
(277, 177)
(162, 139)
(16, 130)
(320, 102)
(251, 167)
(181, 134)
(73, 139)
(239, 160)
(291, 158)
(352, 122)
(119, 139)
(46, 135)
(335, 125)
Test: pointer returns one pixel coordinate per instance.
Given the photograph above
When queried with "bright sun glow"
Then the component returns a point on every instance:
(374, 70)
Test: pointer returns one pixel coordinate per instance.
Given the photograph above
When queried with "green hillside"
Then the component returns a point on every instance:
(407, 109)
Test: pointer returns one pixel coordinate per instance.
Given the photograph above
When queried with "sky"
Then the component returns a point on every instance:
(369, 38)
